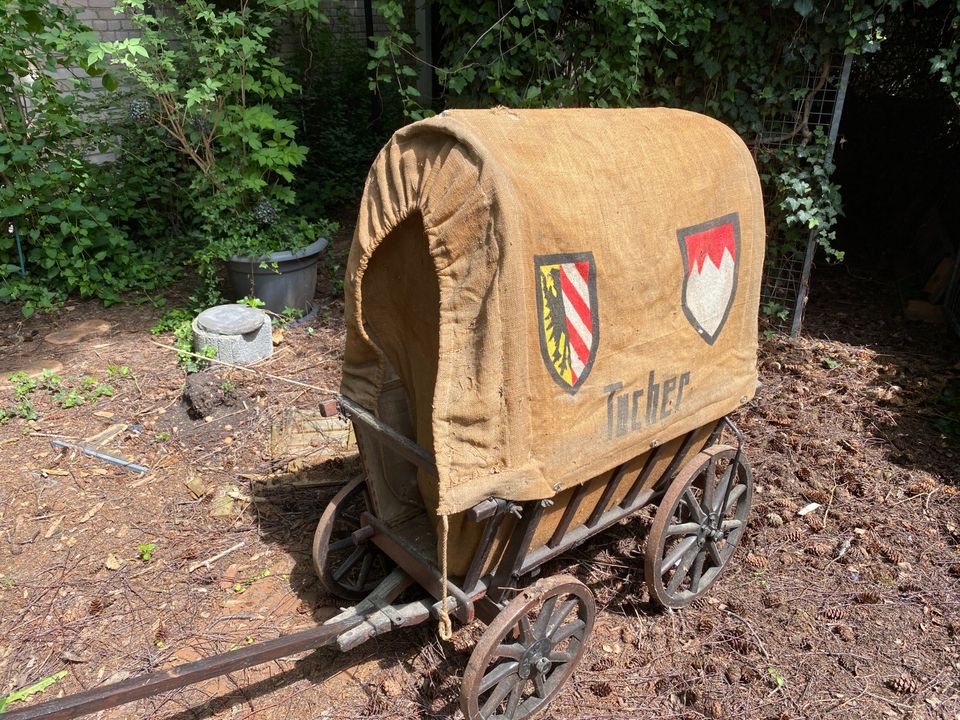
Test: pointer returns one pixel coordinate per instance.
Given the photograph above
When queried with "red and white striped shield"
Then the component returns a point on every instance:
(567, 309)
(711, 259)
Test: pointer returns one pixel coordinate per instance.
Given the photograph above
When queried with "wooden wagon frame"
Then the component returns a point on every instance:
(518, 507)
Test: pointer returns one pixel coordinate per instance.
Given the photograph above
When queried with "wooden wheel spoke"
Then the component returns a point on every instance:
(697, 574)
(365, 569)
(708, 481)
(351, 520)
(347, 564)
(715, 555)
(339, 545)
(540, 684)
(498, 695)
(543, 620)
(514, 651)
(498, 675)
(733, 496)
(526, 632)
(682, 571)
(513, 702)
(559, 615)
(720, 497)
(693, 505)
(687, 528)
(677, 553)
(728, 525)
(560, 656)
(573, 629)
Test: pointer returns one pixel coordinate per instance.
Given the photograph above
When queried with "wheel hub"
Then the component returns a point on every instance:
(535, 659)
(710, 529)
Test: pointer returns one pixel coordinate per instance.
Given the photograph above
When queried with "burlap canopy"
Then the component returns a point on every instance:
(556, 291)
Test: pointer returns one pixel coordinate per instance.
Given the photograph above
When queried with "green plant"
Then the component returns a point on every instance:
(31, 690)
(214, 78)
(50, 381)
(288, 315)
(736, 61)
(226, 386)
(145, 551)
(58, 230)
(120, 372)
(23, 384)
(772, 308)
(829, 363)
(70, 398)
(777, 675)
(162, 436)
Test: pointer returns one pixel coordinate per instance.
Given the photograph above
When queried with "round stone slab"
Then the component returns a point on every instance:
(32, 366)
(72, 334)
(231, 319)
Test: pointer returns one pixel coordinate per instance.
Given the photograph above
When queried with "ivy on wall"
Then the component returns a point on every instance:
(744, 63)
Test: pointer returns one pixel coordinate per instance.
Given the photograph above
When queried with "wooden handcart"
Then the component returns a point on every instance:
(496, 429)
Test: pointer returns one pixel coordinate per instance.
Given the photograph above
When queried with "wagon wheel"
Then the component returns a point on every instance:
(692, 538)
(528, 651)
(346, 570)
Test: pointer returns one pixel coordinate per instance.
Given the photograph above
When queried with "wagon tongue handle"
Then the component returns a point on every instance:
(108, 696)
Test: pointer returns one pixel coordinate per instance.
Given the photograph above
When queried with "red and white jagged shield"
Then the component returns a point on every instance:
(711, 260)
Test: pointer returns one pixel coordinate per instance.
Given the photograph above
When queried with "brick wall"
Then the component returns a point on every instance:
(98, 14)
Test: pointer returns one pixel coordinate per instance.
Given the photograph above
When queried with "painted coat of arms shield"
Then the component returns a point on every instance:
(711, 260)
(568, 320)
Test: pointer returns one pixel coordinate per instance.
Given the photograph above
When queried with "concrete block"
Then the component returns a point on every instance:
(240, 334)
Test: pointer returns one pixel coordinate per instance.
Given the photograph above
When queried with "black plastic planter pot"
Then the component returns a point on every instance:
(291, 283)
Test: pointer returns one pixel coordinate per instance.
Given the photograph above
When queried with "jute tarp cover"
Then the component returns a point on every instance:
(557, 290)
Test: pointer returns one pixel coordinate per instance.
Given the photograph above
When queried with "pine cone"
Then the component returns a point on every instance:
(833, 613)
(921, 487)
(772, 600)
(774, 520)
(845, 632)
(795, 534)
(817, 495)
(868, 597)
(707, 625)
(904, 685)
(909, 585)
(821, 550)
(741, 644)
(891, 554)
(758, 562)
(96, 606)
(733, 674)
(601, 688)
(847, 663)
(602, 664)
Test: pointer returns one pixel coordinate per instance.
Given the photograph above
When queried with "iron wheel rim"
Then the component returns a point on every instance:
(529, 651)
(698, 526)
(346, 570)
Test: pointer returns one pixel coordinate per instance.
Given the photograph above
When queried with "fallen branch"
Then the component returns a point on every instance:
(244, 369)
(209, 561)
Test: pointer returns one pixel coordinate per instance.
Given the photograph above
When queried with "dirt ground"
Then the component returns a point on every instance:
(852, 611)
